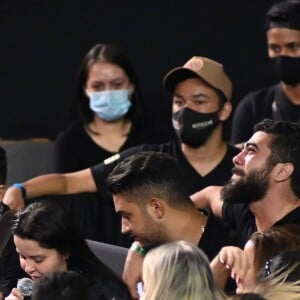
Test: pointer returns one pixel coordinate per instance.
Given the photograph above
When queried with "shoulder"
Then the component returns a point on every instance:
(72, 132)
(260, 96)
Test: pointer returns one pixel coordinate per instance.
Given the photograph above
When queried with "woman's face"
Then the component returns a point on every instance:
(36, 260)
(105, 76)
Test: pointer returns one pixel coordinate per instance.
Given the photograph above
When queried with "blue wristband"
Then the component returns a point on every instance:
(21, 187)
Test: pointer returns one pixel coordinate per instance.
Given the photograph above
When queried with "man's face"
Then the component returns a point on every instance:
(138, 222)
(251, 172)
(195, 94)
(283, 41)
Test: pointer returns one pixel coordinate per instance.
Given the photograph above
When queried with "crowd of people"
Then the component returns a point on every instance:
(201, 217)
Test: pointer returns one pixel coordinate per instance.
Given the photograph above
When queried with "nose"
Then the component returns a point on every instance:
(29, 267)
(189, 104)
(285, 52)
(125, 227)
(239, 159)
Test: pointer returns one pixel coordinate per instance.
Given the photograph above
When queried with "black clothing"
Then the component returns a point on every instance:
(75, 150)
(107, 290)
(10, 269)
(212, 233)
(268, 102)
(194, 182)
(242, 219)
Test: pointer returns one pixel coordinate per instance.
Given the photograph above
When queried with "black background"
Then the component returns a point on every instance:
(43, 43)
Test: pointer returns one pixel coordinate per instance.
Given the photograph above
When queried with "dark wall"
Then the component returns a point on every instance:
(43, 42)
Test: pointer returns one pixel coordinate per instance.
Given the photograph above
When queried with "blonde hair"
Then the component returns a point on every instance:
(285, 290)
(275, 286)
(178, 271)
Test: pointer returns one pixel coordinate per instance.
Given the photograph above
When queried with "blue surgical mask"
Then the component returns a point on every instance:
(110, 105)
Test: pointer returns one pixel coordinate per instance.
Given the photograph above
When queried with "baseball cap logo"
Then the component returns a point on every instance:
(194, 64)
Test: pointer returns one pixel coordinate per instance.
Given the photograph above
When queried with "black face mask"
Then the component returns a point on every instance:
(193, 128)
(287, 69)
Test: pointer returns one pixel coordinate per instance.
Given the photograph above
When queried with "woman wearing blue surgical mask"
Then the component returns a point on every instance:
(108, 114)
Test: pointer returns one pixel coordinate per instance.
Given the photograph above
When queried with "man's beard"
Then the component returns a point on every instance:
(249, 188)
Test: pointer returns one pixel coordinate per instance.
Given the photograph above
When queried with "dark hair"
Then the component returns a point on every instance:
(284, 14)
(50, 226)
(284, 146)
(246, 296)
(273, 241)
(149, 174)
(3, 166)
(285, 264)
(115, 55)
(60, 285)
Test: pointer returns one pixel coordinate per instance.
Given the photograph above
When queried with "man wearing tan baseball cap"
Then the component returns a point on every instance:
(209, 70)
(201, 102)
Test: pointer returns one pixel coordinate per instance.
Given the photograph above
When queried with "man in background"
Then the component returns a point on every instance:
(280, 101)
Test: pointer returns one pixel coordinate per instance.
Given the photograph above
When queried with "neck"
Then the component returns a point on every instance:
(273, 208)
(190, 228)
(101, 127)
(205, 158)
(292, 92)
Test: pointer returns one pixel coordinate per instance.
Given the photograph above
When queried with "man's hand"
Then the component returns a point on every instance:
(132, 273)
(13, 199)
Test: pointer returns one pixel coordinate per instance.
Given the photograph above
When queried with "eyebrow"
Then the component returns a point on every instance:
(252, 145)
(196, 95)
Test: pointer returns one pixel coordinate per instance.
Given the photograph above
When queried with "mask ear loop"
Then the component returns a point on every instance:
(131, 90)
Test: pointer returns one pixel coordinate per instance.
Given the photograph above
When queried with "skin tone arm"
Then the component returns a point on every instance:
(209, 198)
(51, 184)
(132, 273)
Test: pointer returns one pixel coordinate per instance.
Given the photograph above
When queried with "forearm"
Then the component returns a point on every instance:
(60, 184)
(209, 198)
(50, 184)
(220, 273)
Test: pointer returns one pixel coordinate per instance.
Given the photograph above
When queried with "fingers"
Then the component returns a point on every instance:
(234, 259)
(13, 199)
(15, 295)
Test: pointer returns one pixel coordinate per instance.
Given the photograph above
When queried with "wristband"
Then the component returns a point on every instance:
(20, 187)
(138, 249)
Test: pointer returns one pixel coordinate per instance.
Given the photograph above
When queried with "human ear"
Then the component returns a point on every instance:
(131, 89)
(283, 171)
(157, 207)
(225, 111)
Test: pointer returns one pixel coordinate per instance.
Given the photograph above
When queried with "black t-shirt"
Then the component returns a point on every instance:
(75, 149)
(92, 213)
(268, 102)
(193, 182)
(242, 219)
